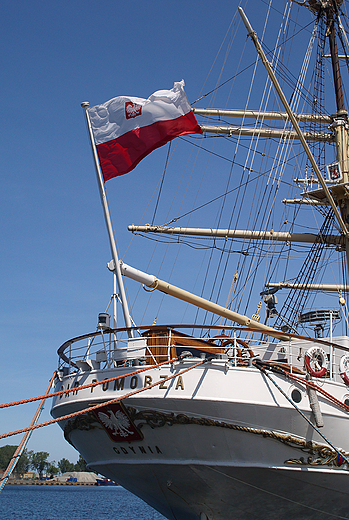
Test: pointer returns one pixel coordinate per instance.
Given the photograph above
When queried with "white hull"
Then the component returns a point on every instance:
(221, 442)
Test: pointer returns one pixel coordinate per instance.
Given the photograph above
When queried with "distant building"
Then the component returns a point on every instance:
(28, 475)
(78, 476)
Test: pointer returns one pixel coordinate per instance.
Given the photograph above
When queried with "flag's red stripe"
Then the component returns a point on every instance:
(121, 155)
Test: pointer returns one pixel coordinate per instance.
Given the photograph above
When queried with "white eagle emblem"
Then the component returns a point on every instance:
(117, 422)
(132, 110)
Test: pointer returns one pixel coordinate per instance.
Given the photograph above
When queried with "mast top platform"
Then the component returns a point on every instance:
(317, 5)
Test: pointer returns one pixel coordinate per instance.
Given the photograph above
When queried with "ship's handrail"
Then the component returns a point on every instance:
(103, 348)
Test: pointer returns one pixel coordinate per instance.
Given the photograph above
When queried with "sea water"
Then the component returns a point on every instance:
(73, 503)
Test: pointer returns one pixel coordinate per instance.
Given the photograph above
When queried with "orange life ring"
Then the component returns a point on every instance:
(316, 361)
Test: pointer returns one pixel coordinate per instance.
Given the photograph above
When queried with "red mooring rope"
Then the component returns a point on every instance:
(91, 408)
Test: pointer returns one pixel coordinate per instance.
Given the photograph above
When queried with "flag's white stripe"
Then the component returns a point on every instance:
(109, 121)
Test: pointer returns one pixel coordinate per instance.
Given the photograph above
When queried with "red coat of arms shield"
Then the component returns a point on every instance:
(117, 424)
(132, 110)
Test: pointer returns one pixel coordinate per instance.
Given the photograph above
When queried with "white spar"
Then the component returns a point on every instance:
(154, 283)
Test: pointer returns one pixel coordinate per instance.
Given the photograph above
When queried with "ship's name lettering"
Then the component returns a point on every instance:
(74, 392)
(148, 380)
(134, 382)
(135, 450)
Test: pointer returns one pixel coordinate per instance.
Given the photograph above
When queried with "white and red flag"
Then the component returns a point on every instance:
(126, 129)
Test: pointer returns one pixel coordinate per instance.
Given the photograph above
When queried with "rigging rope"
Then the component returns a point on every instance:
(296, 300)
(101, 405)
(340, 453)
(90, 385)
(289, 375)
(162, 182)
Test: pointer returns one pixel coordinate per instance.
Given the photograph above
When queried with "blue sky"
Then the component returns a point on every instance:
(54, 246)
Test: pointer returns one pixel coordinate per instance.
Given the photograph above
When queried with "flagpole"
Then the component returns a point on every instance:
(108, 222)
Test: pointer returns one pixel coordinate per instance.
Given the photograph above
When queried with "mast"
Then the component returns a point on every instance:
(338, 201)
(340, 123)
(331, 30)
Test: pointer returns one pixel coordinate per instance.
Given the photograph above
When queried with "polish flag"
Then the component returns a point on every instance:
(126, 129)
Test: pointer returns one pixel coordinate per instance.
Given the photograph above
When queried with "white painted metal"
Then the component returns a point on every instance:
(108, 222)
(266, 132)
(256, 114)
(137, 275)
(309, 202)
(309, 286)
(155, 283)
(236, 233)
(223, 428)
